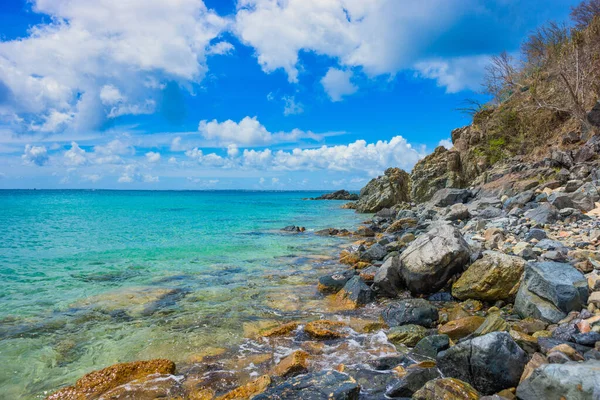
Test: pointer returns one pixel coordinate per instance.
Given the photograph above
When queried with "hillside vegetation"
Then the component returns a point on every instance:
(543, 99)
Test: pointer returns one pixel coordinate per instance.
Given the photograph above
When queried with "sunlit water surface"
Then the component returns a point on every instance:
(91, 278)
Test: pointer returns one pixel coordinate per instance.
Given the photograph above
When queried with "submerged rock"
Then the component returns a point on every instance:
(324, 385)
(434, 257)
(335, 282)
(490, 363)
(96, 383)
(294, 364)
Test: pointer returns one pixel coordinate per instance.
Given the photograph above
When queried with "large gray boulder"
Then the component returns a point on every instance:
(571, 380)
(550, 290)
(449, 196)
(585, 197)
(385, 191)
(387, 280)
(543, 214)
(433, 258)
(489, 363)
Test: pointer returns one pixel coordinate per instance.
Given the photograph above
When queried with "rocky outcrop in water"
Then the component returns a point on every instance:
(338, 195)
(385, 191)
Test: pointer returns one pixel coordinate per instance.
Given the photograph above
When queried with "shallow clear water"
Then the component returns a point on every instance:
(91, 278)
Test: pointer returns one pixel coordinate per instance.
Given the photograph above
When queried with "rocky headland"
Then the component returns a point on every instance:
(477, 276)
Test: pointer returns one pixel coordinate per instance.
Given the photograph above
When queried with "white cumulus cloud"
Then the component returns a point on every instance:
(337, 84)
(152, 157)
(75, 156)
(248, 132)
(35, 155)
(94, 60)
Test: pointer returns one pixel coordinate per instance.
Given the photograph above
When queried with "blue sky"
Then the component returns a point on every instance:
(250, 94)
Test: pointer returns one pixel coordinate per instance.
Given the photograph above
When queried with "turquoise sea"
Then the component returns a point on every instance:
(91, 278)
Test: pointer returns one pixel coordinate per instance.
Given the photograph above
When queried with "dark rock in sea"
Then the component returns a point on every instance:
(449, 196)
(571, 380)
(332, 232)
(387, 280)
(490, 363)
(335, 282)
(374, 253)
(355, 293)
(385, 191)
(338, 195)
(294, 229)
(415, 378)
(389, 362)
(410, 311)
(324, 385)
(372, 383)
(433, 258)
(430, 346)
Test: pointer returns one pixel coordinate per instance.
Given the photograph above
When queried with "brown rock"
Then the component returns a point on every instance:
(281, 330)
(530, 325)
(248, 390)
(536, 361)
(568, 351)
(446, 389)
(96, 383)
(494, 277)
(493, 323)
(461, 328)
(294, 364)
(325, 329)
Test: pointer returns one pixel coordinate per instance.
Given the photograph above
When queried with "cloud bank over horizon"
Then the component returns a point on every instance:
(246, 93)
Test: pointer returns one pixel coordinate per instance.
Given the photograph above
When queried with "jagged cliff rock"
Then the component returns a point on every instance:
(385, 191)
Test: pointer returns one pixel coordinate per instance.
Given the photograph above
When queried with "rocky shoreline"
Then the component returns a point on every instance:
(491, 292)
(460, 286)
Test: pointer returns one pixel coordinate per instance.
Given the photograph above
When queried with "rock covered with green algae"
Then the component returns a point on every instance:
(493, 277)
(324, 385)
(408, 335)
(96, 383)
